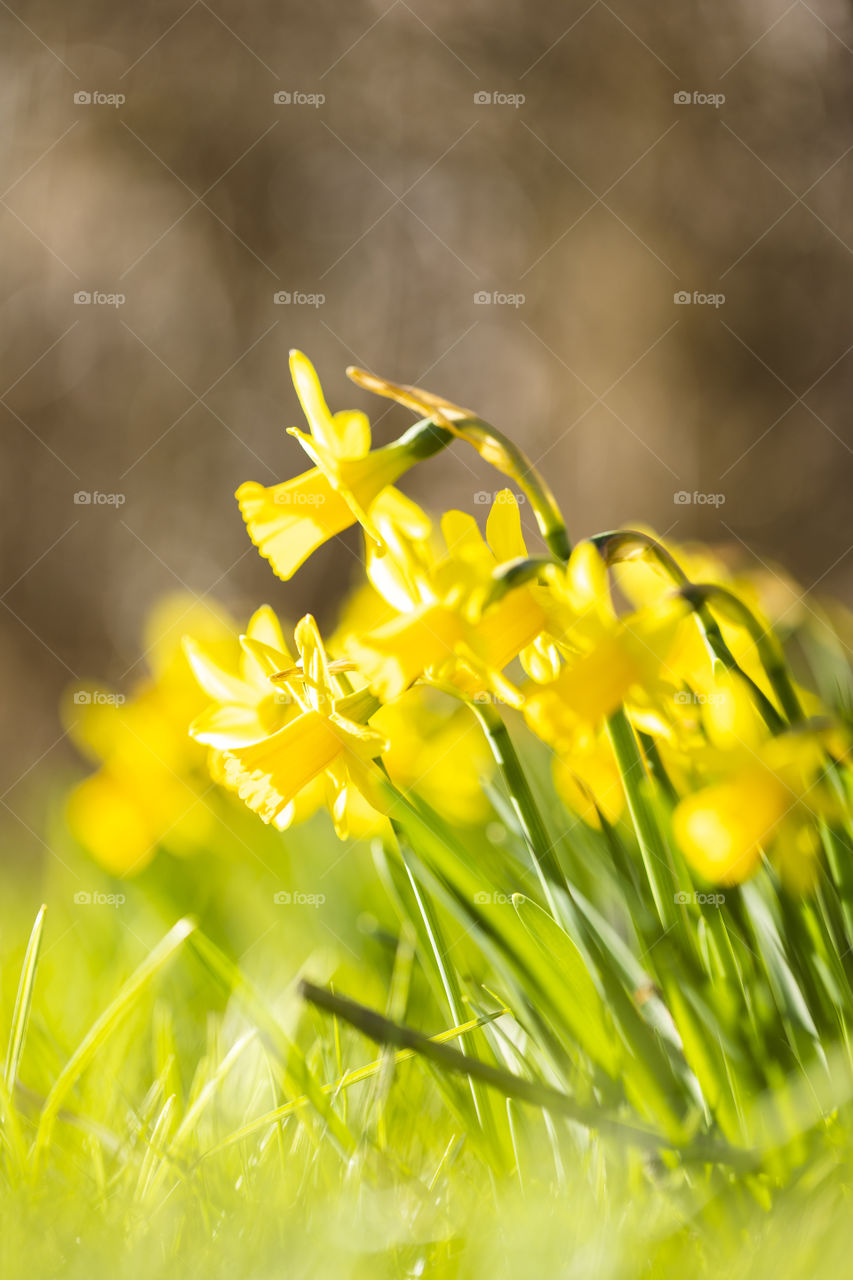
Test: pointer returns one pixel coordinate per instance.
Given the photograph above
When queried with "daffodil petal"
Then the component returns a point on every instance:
(287, 522)
(217, 683)
(503, 527)
(226, 727)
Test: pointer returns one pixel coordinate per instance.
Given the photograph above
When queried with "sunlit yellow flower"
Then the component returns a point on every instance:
(246, 705)
(606, 660)
(446, 627)
(319, 741)
(288, 521)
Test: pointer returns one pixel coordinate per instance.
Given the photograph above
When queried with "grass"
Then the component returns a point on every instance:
(192, 1081)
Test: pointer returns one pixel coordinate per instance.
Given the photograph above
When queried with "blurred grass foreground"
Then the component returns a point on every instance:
(503, 929)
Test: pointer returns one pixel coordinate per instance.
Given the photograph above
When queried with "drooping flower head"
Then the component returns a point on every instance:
(288, 521)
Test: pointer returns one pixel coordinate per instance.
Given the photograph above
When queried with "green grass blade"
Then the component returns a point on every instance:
(356, 1075)
(383, 1031)
(103, 1028)
(580, 1002)
(23, 1004)
(296, 1076)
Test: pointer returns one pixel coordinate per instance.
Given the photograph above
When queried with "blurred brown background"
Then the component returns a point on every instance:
(398, 198)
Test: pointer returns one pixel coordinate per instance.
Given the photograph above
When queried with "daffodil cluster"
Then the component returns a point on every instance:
(570, 647)
(453, 615)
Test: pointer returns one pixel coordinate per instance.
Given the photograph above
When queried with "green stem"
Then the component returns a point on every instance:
(520, 795)
(769, 651)
(628, 545)
(653, 848)
(494, 447)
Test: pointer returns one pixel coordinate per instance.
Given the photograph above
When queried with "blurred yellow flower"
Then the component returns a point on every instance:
(588, 780)
(761, 795)
(150, 788)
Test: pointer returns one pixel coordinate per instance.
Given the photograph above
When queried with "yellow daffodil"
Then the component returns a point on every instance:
(606, 660)
(319, 741)
(246, 705)
(446, 628)
(288, 521)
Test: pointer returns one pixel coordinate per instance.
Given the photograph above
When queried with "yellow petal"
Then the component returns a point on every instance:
(462, 536)
(226, 727)
(346, 434)
(503, 527)
(287, 522)
(588, 585)
(270, 774)
(265, 626)
(394, 655)
(394, 512)
(598, 682)
(315, 667)
(507, 628)
(266, 629)
(589, 782)
(217, 683)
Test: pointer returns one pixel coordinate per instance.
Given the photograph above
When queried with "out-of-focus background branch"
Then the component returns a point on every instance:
(581, 198)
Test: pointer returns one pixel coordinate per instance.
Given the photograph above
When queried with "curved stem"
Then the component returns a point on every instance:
(628, 545)
(491, 444)
(767, 647)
